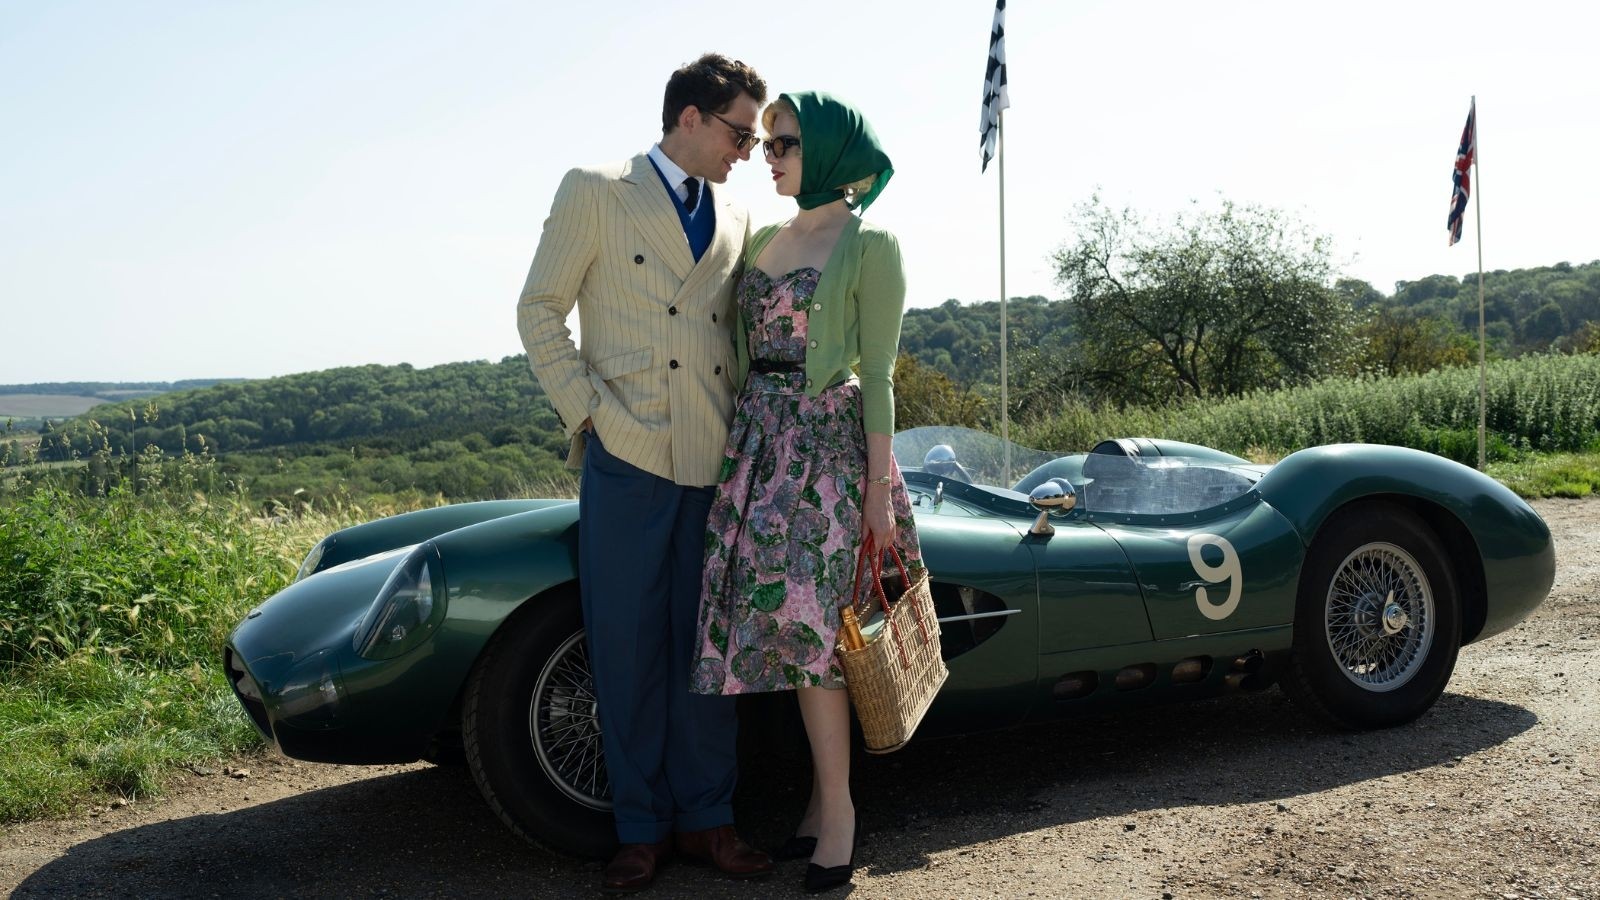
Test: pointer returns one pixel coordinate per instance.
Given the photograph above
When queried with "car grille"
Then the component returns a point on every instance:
(249, 694)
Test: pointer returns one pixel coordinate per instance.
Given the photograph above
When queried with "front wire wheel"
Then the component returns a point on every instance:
(1377, 619)
(564, 726)
(1380, 619)
(530, 728)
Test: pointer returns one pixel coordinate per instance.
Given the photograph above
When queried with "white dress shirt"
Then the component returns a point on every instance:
(674, 174)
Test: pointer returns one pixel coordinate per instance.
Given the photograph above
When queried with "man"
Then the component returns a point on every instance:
(649, 254)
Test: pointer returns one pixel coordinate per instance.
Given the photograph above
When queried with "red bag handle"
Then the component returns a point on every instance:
(866, 556)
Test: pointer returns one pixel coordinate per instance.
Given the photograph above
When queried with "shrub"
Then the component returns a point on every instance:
(1539, 403)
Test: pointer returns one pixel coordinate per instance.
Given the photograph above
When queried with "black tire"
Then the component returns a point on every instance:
(1361, 659)
(539, 764)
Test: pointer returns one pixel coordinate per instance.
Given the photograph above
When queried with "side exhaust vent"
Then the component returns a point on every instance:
(1191, 670)
(1244, 673)
(1131, 678)
(1075, 685)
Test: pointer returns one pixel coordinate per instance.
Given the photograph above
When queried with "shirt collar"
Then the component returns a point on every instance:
(671, 171)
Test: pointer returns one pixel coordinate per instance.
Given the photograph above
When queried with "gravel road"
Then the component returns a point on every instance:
(1493, 794)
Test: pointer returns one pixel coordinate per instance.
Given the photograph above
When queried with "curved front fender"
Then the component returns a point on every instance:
(1512, 541)
(415, 527)
(494, 566)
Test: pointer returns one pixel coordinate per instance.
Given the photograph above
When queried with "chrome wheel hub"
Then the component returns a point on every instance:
(1379, 618)
(1394, 617)
(564, 726)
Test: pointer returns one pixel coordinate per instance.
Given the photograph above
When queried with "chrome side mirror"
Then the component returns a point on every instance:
(941, 460)
(1053, 496)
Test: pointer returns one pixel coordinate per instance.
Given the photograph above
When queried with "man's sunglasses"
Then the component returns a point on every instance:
(742, 139)
(780, 145)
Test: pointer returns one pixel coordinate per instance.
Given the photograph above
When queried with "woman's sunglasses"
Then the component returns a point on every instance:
(780, 145)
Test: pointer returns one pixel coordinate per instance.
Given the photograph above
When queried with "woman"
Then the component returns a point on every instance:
(808, 466)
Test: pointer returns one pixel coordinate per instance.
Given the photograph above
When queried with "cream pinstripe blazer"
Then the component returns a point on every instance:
(655, 368)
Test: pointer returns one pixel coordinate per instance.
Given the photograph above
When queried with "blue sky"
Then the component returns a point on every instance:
(250, 189)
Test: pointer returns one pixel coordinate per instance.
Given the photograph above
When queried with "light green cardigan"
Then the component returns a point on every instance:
(861, 294)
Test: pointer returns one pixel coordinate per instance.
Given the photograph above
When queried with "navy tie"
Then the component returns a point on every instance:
(692, 186)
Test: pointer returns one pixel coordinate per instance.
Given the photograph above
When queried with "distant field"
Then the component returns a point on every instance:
(51, 406)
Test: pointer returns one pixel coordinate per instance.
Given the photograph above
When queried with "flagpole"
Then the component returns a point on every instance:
(1005, 395)
(1483, 371)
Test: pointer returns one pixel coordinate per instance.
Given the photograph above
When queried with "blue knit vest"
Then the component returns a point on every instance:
(698, 226)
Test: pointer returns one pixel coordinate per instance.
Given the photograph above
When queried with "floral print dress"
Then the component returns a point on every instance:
(785, 525)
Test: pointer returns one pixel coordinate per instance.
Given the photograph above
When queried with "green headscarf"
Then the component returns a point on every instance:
(837, 147)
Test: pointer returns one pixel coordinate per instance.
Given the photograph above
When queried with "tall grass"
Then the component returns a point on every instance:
(1537, 403)
(113, 611)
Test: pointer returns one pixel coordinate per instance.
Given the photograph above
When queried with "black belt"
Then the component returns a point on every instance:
(768, 365)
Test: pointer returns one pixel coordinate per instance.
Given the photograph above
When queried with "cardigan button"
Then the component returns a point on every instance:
(808, 382)
(718, 371)
(816, 306)
(673, 364)
(813, 345)
(672, 310)
(638, 259)
(713, 317)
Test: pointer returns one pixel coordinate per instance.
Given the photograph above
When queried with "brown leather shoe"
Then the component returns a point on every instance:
(634, 867)
(721, 847)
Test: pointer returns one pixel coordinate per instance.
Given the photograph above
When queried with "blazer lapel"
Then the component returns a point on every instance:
(725, 241)
(642, 192)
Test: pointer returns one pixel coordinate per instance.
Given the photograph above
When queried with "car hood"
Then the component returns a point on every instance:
(313, 619)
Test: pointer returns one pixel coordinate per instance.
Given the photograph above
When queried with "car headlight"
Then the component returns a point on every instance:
(409, 606)
(309, 566)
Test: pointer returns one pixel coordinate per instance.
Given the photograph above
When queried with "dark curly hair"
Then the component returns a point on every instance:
(710, 85)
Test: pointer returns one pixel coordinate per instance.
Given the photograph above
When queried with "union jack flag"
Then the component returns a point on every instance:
(1462, 177)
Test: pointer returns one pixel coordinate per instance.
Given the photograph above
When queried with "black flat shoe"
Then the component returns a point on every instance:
(798, 846)
(820, 878)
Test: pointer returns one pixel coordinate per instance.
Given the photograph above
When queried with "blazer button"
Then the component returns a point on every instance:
(718, 371)
(673, 364)
(638, 259)
(672, 310)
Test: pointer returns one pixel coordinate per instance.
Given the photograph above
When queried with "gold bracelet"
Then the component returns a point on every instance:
(884, 480)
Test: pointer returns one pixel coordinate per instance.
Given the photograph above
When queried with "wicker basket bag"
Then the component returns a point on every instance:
(894, 677)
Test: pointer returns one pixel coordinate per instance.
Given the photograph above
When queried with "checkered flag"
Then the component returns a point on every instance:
(994, 85)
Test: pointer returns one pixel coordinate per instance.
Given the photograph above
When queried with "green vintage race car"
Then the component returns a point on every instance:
(1143, 571)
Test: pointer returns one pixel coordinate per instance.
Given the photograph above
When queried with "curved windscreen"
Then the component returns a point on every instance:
(967, 456)
(1126, 477)
(1158, 486)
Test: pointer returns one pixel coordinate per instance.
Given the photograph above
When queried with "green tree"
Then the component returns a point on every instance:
(1358, 293)
(925, 396)
(1218, 303)
(1545, 324)
(1394, 341)
(1586, 339)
